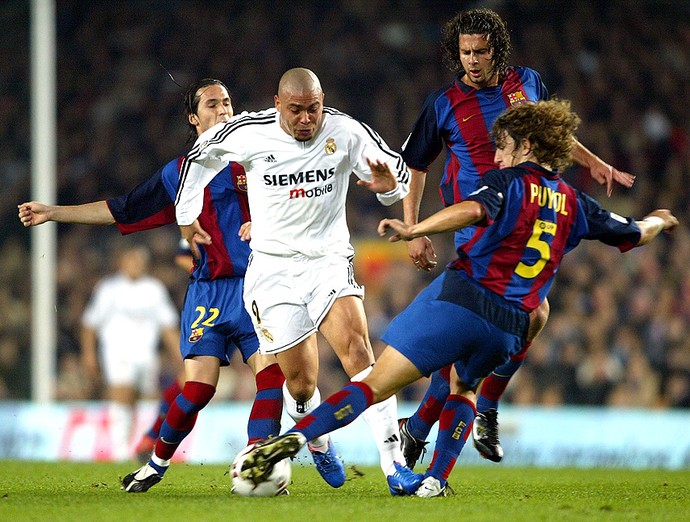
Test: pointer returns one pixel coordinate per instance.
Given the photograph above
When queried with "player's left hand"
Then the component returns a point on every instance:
(382, 179)
(195, 235)
(604, 173)
(402, 230)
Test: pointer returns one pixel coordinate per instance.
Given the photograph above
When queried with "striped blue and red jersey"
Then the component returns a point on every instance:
(459, 118)
(533, 218)
(151, 204)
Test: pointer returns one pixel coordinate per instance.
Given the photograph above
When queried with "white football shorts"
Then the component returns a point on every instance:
(287, 297)
(131, 366)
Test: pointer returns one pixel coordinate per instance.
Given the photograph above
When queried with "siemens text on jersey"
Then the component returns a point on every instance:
(309, 176)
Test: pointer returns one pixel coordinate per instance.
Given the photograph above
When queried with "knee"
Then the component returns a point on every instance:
(358, 355)
(300, 388)
(469, 395)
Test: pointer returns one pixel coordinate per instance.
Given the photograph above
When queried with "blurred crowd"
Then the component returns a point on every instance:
(619, 330)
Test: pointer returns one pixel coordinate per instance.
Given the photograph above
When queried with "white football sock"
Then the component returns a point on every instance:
(298, 411)
(382, 419)
(120, 417)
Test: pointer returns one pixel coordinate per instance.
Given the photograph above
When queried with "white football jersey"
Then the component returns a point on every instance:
(129, 314)
(296, 189)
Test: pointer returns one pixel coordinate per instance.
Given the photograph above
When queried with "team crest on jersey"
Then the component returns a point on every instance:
(267, 335)
(242, 182)
(516, 98)
(330, 146)
(197, 333)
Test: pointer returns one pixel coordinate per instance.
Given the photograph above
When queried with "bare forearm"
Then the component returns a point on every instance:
(96, 213)
(89, 355)
(449, 219)
(171, 340)
(412, 201)
(583, 156)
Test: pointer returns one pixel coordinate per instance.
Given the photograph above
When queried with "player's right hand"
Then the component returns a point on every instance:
(422, 253)
(400, 229)
(670, 221)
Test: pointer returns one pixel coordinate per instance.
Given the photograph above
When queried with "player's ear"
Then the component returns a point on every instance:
(193, 119)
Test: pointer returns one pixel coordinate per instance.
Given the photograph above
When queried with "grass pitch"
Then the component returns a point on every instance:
(78, 492)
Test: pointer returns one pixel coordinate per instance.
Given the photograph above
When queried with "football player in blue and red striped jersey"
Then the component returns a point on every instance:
(214, 321)
(476, 314)
(457, 118)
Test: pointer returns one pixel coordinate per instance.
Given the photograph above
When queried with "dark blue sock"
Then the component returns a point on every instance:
(339, 410)
(168, 397)
(421, 422)
(264, 419)
(455, 425)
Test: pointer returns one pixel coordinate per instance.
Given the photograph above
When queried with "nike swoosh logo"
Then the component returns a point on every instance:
(465, 119)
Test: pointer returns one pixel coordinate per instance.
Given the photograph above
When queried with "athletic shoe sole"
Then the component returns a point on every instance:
(258, 464)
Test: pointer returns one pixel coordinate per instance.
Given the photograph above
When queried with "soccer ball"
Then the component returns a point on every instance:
(275, 484)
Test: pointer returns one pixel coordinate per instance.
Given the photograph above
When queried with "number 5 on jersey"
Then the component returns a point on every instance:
(540, 240)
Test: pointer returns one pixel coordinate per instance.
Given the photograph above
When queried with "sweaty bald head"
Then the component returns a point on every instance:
(299, 81)
(300, 103)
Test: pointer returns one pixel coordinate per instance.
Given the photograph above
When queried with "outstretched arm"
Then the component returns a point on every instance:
(449, 219)
(34, 213)
(200, 166)
(89, 354)
(601, 171)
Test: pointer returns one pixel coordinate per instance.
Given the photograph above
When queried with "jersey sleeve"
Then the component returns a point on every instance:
(491, 194)
(211, 153)
(425, 142)
(605, 226)
(149, 205)
(367, 144)
(532, 77)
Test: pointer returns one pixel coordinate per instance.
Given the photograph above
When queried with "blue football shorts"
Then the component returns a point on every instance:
(214, 321)
(435, 330)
